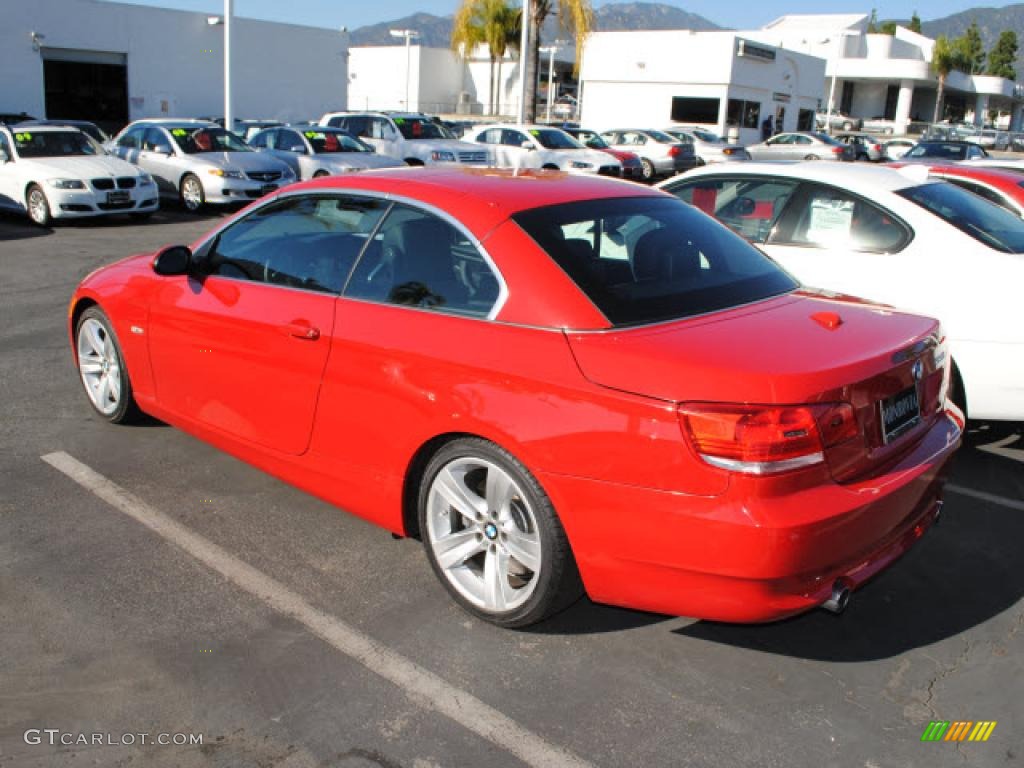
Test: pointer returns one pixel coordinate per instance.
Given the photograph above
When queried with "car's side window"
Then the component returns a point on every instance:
(490, 136)
(5, 146)
(308, 242)
(381, 129)
(513, 138)
(825, 217)
(260, 140)
(154, 139)
(749, 206)
(420, 260)
(802, 140)
(132, 139)
(289, 141)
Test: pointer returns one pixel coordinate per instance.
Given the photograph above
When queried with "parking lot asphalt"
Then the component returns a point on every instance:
(112, 627)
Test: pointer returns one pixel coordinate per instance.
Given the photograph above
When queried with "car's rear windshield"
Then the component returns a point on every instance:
(824, 137)
(69, 143)
(945, 151)
(984, 221)
(652, 259)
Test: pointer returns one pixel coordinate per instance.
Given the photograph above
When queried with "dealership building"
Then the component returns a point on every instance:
(115, 62)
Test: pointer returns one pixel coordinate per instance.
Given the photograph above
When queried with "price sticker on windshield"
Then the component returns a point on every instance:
(179, 132)
(534, 132)
(314, 135)
(23, 137)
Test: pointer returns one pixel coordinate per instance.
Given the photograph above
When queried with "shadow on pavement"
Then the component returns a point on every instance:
(588, 618)
(15, 227)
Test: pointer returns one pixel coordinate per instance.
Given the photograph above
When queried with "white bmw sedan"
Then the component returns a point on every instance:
(895, 237)
(542, 147)
(57, 172)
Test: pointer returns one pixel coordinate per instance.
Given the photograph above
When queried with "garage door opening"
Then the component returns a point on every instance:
(86, 85)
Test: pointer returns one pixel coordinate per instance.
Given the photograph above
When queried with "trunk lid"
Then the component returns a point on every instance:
(806, 347)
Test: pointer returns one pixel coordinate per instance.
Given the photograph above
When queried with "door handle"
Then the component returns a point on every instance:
(302, 330)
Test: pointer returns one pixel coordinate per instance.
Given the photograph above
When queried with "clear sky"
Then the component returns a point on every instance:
(738, 13)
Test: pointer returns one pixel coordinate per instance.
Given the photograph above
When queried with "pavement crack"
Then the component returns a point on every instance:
(943, 674)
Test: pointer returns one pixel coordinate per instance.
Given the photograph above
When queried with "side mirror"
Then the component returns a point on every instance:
(173, 260)
(527, 145)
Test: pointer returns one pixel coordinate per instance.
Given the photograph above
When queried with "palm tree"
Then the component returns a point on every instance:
(490, 22)
(576, 17)
(944, 60)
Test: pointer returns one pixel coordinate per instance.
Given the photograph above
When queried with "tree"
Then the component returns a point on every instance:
(969, 52)
(873, 22)
(576, 17)
(943, 61)
(492, 23)
(888, 28)
(1003, 55)
(915, 23)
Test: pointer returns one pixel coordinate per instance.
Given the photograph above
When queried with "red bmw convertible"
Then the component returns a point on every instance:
(560, 384)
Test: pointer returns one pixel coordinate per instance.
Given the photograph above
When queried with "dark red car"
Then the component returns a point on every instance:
(1002, 185)
(559, 383)
(632, 168)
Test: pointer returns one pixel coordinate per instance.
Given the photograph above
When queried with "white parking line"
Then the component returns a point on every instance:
(990, 497)
(423, 687)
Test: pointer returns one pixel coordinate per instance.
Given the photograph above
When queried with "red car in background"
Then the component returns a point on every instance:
(632, 168)
(998, 185)
(559, 383)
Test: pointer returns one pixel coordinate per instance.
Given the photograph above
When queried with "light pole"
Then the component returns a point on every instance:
(409, 35)
(524, 53)
(229, 11)
(835, 71)
(550, 50)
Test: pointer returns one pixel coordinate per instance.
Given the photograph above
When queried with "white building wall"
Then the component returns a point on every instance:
(377, 77)
(175, 59)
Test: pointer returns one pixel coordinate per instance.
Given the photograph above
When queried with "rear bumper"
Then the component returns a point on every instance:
(743, 558)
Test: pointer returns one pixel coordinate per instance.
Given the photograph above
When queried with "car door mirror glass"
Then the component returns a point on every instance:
(162, 149)
(527, 145)
(173, 260)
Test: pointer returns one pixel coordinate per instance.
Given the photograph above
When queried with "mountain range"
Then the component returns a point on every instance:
(435, 31)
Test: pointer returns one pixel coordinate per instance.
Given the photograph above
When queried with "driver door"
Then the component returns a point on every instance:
(240, 346)
(155, 160)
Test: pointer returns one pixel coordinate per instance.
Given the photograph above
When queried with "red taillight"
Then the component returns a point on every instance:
(728, 151)
(877, 147)
(764, 439)
(838, 150)
(674, 150)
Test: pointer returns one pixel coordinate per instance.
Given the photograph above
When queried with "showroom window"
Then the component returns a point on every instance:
(308, 242)
(419, 260)
(688, 109)
(746, 114)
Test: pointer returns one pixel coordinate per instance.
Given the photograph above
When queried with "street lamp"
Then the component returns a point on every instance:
(524, 52)
(550, 50)
(835, 71)
(409, 35)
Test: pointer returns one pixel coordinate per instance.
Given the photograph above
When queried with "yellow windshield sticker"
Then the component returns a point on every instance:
(179, 132)
(399, 121)
(534, 132)
(23, 136)
(314, 135)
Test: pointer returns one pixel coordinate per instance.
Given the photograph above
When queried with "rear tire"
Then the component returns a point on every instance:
(413, 161)
(847, 126)
(646, 169)
(38, 206)
(812, 157)
(320, 174)
(492, 536)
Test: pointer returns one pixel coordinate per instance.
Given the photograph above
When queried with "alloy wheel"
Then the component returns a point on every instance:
(192, 194)
(483, 534)
(99, 366)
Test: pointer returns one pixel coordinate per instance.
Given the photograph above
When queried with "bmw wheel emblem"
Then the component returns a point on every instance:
(491, 531)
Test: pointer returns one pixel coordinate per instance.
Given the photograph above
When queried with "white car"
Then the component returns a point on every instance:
(894, 149)
(315, 150)
(542, 147)
(411, 137)
(57, 172)
(895, 237)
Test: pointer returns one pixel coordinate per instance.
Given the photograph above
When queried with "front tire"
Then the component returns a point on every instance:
(191, 193)
(492, 536)
(847, 126)
(320, 174)
(812, 157)
(38, 206)
(102, 370)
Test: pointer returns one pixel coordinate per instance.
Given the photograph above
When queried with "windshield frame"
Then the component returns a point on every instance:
(87, 141)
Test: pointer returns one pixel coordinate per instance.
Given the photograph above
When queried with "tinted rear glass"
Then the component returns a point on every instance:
(651, 259)
(982, 220)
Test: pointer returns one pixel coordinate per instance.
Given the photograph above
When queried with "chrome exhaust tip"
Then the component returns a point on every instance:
(839, 599)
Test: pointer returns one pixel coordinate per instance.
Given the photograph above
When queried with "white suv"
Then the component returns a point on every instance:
(411, 137)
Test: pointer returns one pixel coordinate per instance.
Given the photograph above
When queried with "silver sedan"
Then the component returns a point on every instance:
(659, 153)
(199, 162)
(805, 145)
(709, 147)
(315, 150)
